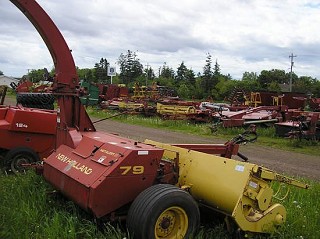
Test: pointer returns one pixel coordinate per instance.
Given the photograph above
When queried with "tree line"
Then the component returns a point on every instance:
(210, 83)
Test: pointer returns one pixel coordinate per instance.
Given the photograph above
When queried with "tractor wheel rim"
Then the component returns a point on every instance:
(16, 165)
(172, 223)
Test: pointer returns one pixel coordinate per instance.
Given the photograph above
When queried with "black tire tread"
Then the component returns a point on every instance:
(149, 199)
(36, 100)
(16, 151)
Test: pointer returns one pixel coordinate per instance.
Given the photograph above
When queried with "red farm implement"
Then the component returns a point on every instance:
(158, 188)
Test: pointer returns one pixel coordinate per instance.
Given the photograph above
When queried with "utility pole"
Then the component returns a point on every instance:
(290, 84)
(147, 75)
(28, 76)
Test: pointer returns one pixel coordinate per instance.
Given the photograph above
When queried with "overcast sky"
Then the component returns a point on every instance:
(242, 35)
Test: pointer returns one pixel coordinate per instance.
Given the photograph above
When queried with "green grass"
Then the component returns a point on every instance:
(266, 136)
(10, 93)
(303, 207)
(31, 209)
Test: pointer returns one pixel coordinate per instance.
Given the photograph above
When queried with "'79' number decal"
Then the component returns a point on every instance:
(132, 169)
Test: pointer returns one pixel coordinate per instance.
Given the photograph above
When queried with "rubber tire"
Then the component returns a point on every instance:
(2, 165)
(149, 205)
(36, 100)
(20, 155)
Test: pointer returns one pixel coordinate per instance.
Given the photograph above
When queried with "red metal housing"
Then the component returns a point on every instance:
(20, 127)
(104, 172)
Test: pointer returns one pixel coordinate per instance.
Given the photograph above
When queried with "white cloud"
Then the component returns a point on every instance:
(243, 35)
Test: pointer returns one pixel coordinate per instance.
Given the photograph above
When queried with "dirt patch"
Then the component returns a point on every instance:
(10, 100)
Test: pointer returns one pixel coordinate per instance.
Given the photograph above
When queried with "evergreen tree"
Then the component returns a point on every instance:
(166, 72)
(207, 78)
(101, 71)
(216, 71)
(182, 72)
(191, 78)
(149, 74)
(207, 69)
(130, 67)
(216, 74)
(185, 76)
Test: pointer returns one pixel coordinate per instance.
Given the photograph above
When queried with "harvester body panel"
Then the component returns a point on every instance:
(104, 172)
(29, 128)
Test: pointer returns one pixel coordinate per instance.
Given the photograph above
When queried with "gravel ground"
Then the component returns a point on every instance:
(291, 163)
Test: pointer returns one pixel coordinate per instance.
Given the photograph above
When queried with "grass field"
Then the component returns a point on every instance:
(30, 208)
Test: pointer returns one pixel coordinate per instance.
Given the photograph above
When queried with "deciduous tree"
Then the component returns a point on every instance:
(275, 75)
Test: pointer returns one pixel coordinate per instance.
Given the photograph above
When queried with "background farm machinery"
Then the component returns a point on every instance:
(243, 109)
(263, 108)
(97, 93)
(26, 85)
(35, 95)
(26, 136)
(300, 125)
(149, 103)
(314, 104)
